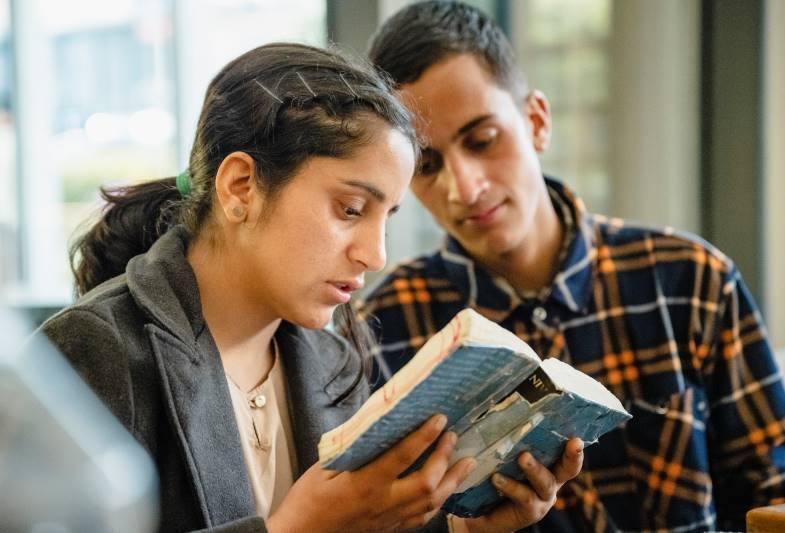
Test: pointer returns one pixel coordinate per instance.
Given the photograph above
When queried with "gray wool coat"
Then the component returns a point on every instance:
(141, 343)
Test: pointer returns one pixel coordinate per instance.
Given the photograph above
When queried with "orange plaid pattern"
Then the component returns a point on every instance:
(665, 321)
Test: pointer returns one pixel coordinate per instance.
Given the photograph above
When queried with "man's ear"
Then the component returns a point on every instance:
(537, 109)
(235, 186)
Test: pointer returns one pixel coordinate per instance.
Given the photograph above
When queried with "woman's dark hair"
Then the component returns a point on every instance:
(425, 33)
(281, 104)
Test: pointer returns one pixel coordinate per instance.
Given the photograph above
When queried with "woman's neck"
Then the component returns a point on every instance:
(241, 327)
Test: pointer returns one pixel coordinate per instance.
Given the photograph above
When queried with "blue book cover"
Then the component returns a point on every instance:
(553, 404)
(499, 398)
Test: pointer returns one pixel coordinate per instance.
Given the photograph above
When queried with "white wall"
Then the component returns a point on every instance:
(655, 105)
(774, 173)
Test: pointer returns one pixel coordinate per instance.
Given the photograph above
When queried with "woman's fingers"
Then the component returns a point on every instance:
(456, 475)
(418, 496)
(415, 522)
(426, 498)
(422, 510)
(431, 474)
(397, 459)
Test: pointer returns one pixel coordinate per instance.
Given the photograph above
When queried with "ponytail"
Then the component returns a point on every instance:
(133, 219)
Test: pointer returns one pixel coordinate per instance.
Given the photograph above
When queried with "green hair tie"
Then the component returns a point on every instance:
(183, 182)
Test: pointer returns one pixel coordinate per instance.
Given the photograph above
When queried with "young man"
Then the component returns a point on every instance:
(662, 318)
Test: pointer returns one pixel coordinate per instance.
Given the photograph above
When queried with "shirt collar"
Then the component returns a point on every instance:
(571, 286)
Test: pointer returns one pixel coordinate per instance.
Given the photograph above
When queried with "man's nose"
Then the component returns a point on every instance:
(465, 180)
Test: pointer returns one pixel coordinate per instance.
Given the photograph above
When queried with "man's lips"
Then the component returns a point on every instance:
(482, 216)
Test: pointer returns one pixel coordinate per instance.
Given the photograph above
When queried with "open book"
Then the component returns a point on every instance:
(499, 398)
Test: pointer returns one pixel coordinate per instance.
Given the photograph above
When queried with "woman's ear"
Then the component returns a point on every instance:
(537, 109)
(235, 186)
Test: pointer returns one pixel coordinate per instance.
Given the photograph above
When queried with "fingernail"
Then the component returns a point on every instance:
(528, 460)
(471, 465)
(499, 480)
(452, 438)
(439, 422)
(576, 453)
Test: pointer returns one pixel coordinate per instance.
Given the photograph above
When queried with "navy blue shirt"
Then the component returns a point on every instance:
(665, 322)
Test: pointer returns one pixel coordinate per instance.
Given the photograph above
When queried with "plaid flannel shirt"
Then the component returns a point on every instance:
(664, 321)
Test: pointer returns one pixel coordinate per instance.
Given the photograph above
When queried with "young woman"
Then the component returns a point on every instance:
(202, 298)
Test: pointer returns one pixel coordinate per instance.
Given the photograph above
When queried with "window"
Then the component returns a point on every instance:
(210, 33)
(9, 224)
(110, 94)
(95, 107)
(562, 47)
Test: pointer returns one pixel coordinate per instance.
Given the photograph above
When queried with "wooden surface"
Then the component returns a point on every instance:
(769, 519)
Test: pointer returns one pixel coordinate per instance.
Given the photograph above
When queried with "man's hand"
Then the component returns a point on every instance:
(527, 504)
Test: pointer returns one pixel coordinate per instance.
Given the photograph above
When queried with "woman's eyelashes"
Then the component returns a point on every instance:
(351, 212)
(351, 209)
(354, 208)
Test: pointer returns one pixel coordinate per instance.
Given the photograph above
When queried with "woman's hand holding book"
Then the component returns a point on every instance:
(374, 497)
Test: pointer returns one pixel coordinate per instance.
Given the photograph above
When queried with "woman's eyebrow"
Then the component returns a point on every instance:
(367, 187)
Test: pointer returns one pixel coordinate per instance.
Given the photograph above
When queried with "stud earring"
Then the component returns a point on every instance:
(238, 211)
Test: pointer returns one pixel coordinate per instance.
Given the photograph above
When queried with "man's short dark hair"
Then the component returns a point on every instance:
(425, 33)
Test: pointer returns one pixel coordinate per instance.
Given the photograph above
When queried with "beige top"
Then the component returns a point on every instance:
(266, 436)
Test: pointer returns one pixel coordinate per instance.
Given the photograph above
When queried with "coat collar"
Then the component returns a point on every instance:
(318, 366)
(163, 285)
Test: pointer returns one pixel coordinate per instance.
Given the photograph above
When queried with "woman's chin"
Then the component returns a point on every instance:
(318, 320)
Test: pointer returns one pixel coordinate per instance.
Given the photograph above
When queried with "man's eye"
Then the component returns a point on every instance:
(482, 138)
(430, 163)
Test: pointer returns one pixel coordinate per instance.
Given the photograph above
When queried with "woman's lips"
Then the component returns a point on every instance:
(341, 291)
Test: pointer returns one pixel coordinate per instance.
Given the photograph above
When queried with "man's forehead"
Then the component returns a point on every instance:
(450, 95)
(456, 75)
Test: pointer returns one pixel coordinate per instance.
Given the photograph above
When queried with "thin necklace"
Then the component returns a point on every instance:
(274, 353)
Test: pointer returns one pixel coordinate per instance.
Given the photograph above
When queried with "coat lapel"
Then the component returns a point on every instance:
(318, 368)
(199, 407)
(194, 389)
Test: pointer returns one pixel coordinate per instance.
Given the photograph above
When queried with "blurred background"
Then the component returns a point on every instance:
(667, 111)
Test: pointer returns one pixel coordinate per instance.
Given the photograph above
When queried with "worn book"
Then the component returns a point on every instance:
(499, 398)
